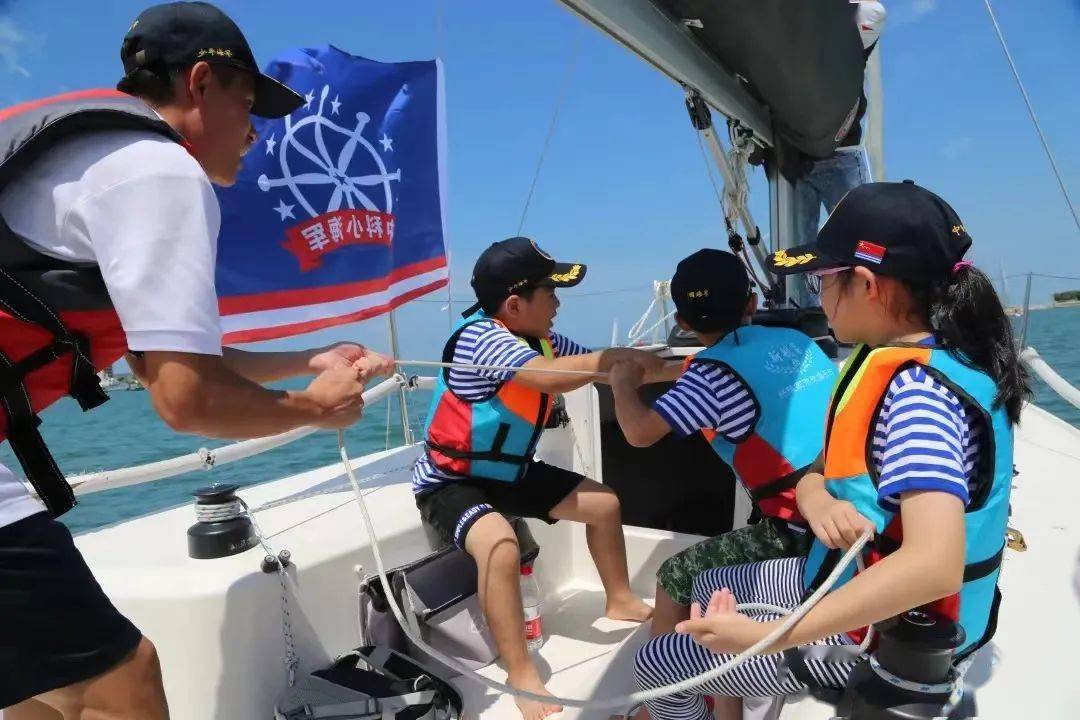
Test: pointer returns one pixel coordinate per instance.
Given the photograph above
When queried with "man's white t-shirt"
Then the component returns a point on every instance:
(142, 208)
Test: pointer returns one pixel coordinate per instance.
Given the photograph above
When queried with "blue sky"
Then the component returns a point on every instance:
(624, 187)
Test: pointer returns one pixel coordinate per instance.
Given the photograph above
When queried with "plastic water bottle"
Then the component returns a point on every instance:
(530, 599)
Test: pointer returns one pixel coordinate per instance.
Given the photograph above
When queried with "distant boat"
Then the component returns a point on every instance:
(110, 382)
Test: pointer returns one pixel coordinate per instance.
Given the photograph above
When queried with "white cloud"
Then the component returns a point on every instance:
(910, 11)
(13, 42)
(957, 147)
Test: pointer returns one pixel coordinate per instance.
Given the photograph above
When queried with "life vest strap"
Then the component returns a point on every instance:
(774, 488)
(972, 571)
(493, 455)
(29, 447)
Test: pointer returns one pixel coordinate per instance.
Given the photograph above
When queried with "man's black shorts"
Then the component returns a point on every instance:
(57, 627)
(454, 506)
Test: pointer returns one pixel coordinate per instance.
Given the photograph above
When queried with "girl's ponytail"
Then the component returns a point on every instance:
(968, 318)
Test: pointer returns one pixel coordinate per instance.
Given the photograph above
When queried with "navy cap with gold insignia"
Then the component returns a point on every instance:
(180, 34)
(898, 230)
(510, 266)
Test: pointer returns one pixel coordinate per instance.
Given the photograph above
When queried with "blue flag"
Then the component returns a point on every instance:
(338, 213)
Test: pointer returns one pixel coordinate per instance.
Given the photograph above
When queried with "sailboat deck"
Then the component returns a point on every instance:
(217, 623)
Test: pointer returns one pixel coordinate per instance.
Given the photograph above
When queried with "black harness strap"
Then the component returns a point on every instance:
(23, 435)
(779, 485)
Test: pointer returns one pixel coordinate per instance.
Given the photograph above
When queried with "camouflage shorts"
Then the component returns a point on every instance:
(769, 539)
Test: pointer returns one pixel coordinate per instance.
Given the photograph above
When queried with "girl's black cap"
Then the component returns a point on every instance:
(710, 289)
(180, 34)
(898, 230)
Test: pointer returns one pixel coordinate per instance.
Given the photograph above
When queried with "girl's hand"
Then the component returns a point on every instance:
(836, 523)
(722, 628)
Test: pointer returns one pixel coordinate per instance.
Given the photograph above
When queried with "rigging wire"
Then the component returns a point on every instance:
(571, 64)
(1034, 118)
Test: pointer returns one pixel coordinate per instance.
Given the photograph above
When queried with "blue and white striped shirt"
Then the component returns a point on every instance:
(484, 343)
(708, 397)
(926, 438)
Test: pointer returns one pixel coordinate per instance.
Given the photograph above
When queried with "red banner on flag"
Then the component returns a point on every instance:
(311, 239)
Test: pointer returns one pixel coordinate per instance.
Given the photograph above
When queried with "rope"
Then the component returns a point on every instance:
(1034, 118)
(570, 64)
(508, 368)
(605, 703)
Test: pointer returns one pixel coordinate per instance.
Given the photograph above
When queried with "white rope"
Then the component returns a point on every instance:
(635, 329)
(605, 703)
(507, 368)
(206, 459)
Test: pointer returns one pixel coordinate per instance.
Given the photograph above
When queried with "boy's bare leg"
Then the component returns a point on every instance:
(598, 507)
(668, 613)
(492, 543)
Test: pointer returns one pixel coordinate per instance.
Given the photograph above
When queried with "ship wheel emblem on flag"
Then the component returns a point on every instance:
(337, 177)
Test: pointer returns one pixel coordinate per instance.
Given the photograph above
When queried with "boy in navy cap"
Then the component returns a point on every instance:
(482, 432)
(758, 394)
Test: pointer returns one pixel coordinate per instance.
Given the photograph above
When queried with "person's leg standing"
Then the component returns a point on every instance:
(62, 642)
(807, 218)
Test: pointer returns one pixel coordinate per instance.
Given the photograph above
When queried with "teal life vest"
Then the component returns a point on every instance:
(850, 475)
(789, 379)
(493, 438)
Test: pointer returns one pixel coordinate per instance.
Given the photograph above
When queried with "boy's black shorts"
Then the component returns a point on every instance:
(454, 506)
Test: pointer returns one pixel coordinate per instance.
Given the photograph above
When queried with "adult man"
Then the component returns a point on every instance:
(824, 182)
(119, 199)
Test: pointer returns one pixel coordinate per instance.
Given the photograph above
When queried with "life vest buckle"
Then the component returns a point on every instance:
(1014, 540)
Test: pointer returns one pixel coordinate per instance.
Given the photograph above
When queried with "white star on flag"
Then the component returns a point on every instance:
(387, 143)
(310, 97)
(335, 105)
(270, 143)
(285, 210)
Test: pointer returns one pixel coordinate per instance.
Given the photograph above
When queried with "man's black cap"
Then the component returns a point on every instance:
(899, 230)
(710, 289)
(180, 34)
(511, 266)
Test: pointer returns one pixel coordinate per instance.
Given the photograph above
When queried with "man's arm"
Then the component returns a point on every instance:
(264, 367)
(200, 394)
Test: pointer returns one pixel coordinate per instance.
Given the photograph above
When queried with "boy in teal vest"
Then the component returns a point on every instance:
(482, 431)
(759, 396)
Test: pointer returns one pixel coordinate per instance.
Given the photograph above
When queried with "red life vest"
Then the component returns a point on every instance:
(57, 324)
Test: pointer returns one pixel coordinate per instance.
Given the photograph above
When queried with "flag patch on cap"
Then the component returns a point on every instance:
(869, 252)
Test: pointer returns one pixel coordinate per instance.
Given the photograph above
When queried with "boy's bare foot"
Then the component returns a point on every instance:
(531, 709)
(630, 608)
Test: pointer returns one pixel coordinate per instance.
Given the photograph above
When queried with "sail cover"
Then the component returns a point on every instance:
(338, 212)
(802, 58)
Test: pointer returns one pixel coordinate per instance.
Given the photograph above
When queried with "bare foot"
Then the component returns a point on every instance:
(630, 608)
(530, 709)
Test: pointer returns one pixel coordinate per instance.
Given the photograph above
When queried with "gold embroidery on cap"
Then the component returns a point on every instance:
(219, 52)
(782, 259)
(958, 229)
(571, 274)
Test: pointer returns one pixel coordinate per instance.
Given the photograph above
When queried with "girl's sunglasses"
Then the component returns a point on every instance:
(813, 278)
